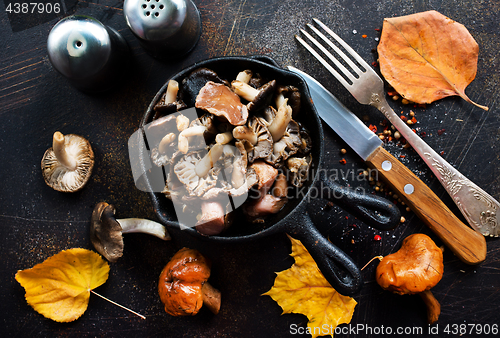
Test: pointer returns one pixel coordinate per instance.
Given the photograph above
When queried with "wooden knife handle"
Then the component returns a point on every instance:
(464, 242)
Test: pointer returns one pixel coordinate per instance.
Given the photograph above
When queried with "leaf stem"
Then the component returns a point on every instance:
(371, 260)
(123, 307)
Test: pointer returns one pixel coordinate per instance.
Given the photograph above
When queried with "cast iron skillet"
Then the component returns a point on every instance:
(340, 271)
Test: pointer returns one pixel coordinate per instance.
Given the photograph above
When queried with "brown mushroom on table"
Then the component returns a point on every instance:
(68, 164)
(183, 285)
(414, 269)
(220, 100)
(257, 138)
(257, 98)
(106, 231)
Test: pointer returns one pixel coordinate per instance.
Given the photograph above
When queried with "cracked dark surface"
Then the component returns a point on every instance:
(37, 222)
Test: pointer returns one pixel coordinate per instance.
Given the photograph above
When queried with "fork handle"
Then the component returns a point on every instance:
(479, 208)
(464, 242)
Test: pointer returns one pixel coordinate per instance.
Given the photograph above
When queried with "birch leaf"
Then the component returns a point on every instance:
(303, 289)
(59, 288)
(427, 56)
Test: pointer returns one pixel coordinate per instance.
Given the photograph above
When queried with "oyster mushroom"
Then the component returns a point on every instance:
(291, 93)
(299, 167)
(185, 170)
(244, 76)
(68, 164)
(106, 231)
(257, 98)
(219, 100)
(414, 269)
(183, 286)
(258, 139)
(169, 102)
(288, 144)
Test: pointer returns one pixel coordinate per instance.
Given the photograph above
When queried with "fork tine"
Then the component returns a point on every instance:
(342, 69)
(343, 44)
(351, 64)
(323, 62)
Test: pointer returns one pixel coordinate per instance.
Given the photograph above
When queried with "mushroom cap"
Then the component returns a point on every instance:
(219, 100)
(262, 99)
(264, 145)
(106, 232)
(293, 95)
(192, 84)
(181, 281)
(185, 169)
(416, 267)
(60, 178)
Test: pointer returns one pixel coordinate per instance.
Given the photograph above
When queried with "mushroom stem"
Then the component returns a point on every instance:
(433, 306)
(245, 133)
(146, 226)
(224, 138)
(244, 76)
(244, 90)
(172, 89)
(211, 297)
(280, 99)
(183, 137)
(59, 147)
(283, 116)
(207, 162)
(182, 122)
(165, 142)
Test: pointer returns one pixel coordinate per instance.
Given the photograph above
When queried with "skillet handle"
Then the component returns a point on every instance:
(338, 268)
(373, 210)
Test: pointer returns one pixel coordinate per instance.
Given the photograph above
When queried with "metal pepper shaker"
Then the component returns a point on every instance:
(167, 29)
(89, 54)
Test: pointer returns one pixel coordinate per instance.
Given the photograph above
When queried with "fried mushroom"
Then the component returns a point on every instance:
(257, 98)
(258, 139)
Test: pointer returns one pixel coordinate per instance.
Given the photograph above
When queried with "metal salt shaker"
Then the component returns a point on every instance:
(91, 55)
(167, 29)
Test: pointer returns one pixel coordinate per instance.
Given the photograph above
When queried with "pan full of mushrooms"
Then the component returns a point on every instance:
(230, 150)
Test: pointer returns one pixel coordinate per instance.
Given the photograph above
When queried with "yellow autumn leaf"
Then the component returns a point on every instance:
(59, 288)
(303, 289)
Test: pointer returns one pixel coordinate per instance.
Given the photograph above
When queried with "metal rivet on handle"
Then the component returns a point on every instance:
(409, 189)
(386, 165)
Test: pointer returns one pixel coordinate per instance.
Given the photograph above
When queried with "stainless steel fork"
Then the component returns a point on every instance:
(479, 208)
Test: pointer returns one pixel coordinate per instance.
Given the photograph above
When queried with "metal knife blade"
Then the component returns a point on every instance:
(347, 125)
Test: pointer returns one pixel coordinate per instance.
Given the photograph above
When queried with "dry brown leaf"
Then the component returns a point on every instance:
(59, 288)
(427, 56)
(303, 289)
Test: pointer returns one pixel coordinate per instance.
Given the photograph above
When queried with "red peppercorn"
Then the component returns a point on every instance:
(377, 238)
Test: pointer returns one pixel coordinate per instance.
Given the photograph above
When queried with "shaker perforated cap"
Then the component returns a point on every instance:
(166, 28)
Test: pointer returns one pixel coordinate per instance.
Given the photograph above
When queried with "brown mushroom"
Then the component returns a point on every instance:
(169, 102)
(257, 98)
(106, 231)
(212, 220)
(288, 144)
(183, 286)
(219, 100)
(299, 168)
(266, 173)
(414, 269)
(258, 139)
(268, 203)
(68, 164)
(291, 93)
(192, 84)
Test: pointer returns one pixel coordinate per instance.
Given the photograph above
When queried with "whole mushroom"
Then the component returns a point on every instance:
(414, 269)
(257, 97)
(106, 231)
(183, 286)
(68, 164)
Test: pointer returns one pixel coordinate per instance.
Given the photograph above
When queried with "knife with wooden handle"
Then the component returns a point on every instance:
(467, 244)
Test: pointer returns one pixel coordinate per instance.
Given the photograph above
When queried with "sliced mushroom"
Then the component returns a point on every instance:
(299, 168)
(68, 164)
(219, 100)
(257, 98)
(106, 231)
(287, 146)
(259, 143)
(292, 94)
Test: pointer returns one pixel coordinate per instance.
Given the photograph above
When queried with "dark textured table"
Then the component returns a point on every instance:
(37, 222)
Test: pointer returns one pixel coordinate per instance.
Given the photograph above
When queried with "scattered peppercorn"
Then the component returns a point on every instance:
(343, 161)
(373, 128)
(377, 238)
(364, 36)
(441, 132)
(343, 151)
(402, 220)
